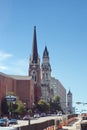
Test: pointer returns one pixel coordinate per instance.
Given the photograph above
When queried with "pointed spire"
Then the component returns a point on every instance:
(69, 92)
(45, 53)
(34, 48)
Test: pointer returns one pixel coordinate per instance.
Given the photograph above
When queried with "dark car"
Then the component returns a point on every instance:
(43, 114)
(13, 121)
(4, 122)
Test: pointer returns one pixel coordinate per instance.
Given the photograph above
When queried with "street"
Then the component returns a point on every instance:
(71, 126)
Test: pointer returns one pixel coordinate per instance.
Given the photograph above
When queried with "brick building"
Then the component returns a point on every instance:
(22, 86)
(27, 88)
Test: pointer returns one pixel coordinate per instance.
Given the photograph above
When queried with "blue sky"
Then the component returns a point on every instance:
(61, 26)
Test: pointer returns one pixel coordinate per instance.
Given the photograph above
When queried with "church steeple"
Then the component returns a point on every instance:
(45, 53)
(34, 68)
(69, 93)
(34, 48)
(46, 75)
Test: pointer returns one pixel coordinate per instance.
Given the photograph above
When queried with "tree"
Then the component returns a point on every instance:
(43, 106)
(56, 99)
(55, 104)
(20, 107)
(10, 107)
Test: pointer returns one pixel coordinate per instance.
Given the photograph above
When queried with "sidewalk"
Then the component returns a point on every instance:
(75, 125)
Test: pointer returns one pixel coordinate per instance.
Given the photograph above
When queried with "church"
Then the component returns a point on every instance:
(38, 84)
(27, 88)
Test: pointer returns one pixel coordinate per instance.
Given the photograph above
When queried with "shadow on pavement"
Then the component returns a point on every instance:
(73, 122)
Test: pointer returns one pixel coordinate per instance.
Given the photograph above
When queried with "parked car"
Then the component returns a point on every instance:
(26, 117)
(36, 115)
(59, 114)
(43, 114)
(4, 122)
(13, 121)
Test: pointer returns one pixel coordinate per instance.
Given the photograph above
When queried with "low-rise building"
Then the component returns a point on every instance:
(21, 86)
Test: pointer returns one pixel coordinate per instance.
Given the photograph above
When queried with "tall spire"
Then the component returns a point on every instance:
(34, 48)
(34, 69)
(45, 53)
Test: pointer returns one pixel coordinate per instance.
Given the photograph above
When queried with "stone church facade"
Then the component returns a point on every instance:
(46, 76)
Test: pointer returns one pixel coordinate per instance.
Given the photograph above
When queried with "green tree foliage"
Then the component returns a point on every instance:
(56, 99)
(55, 104)
(17, 107)
(43, 106)
(20, 107)
(13, 107)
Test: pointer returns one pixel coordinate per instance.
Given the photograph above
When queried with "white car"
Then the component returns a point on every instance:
(36, 115)
(59, 114)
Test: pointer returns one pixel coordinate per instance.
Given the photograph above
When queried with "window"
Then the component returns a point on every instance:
(34, 77)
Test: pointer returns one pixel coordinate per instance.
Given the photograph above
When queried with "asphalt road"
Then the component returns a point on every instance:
(32, 121)
(74, 126)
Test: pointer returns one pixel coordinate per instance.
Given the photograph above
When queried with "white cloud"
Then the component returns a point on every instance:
(4, 56)
(3, 67)
(13, 65)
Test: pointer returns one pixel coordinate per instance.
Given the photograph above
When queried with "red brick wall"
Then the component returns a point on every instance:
(2, 88)
(37, 86)
(24, 89)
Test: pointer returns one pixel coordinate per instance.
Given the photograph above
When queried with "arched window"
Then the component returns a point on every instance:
(34, 75)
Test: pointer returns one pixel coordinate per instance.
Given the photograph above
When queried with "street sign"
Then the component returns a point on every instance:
(10, 98)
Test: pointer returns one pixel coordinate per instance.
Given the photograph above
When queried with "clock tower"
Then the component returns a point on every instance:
(46, 76)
